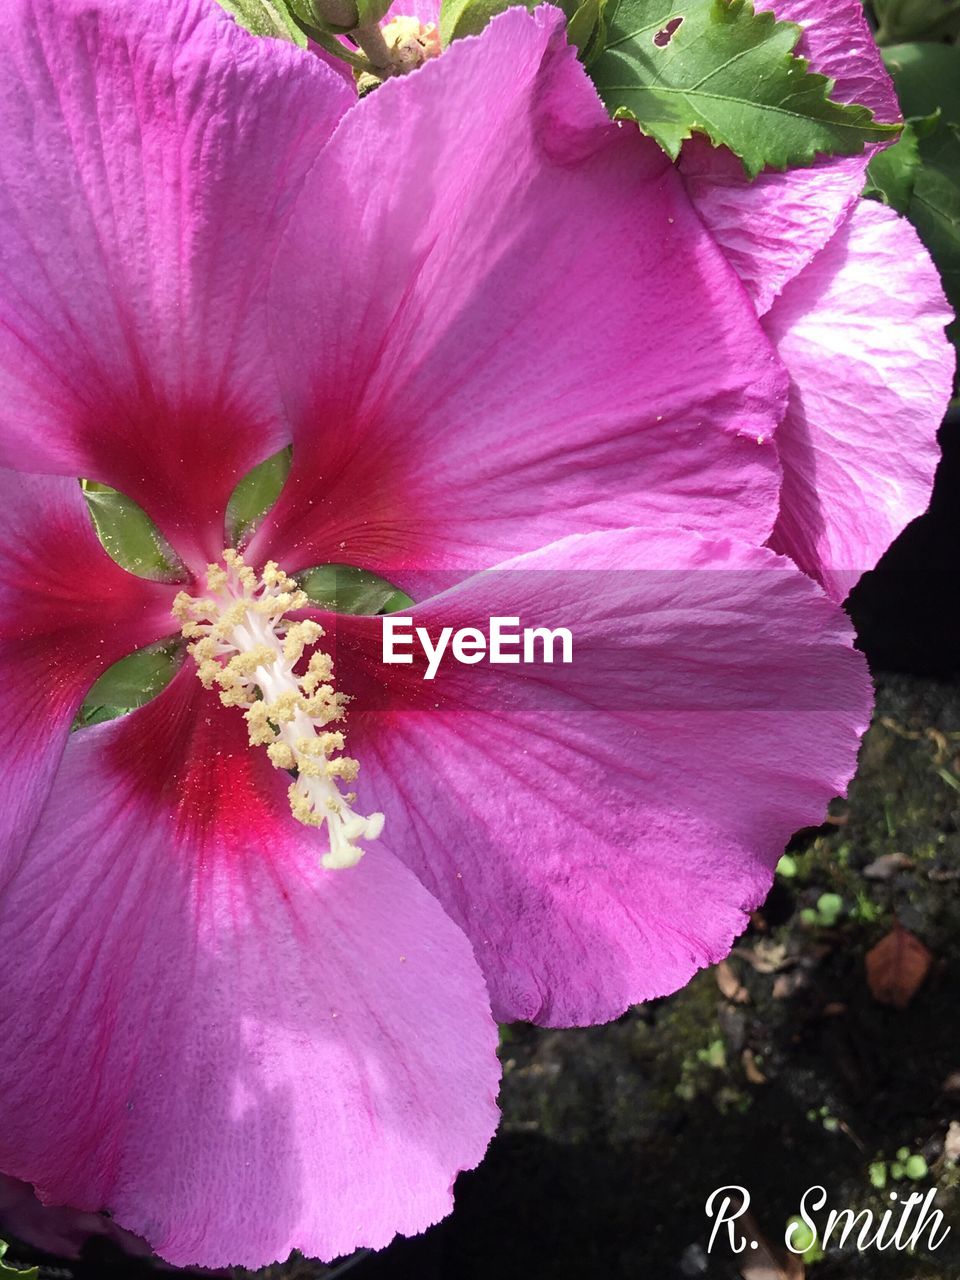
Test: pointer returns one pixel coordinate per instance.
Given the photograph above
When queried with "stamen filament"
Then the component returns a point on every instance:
(245, 645)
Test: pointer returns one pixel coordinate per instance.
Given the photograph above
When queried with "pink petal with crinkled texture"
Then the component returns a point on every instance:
(862, 332)
(838, 42)
(601, 829)
(148, 154)
(517, 327)
(67, 612)
(235, 1052)
(772, 227)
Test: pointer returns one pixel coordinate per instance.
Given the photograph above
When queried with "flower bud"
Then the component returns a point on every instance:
(347, 15)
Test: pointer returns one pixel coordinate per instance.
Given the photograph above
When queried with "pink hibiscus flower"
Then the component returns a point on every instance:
(853, 304)
(497, 334)
(850, 300)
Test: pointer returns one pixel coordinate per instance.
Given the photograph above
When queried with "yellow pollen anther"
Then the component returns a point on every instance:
(245, 664)
(245, 645)
(284, 709)
(282, 755)
(344, 767)
(298, 637)
(411, 42)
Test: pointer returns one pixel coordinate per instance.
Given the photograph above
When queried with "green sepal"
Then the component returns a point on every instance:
(723, 70)
(371, 11)
(256, 493)
(345, 589)
(326, 38)
(303, 11)
(306, 14)
(128, 534)
(893, 172)
(585, 22)
(266, 18)
(587, 29)
(31, 1274)
(459, 18)
(130, 683)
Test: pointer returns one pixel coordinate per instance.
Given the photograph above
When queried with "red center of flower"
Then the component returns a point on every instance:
(245, 644)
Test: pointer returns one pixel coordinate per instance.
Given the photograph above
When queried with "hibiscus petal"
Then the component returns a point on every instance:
(862, 332)
(771, 228)
(425, 10)
(517, 325)
(147, 156)
(235, 1052)
(600, 830)
(838, 42)
(67, 612)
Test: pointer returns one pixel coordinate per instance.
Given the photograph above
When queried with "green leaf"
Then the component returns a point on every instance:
(256, 493)
(460, 18)
(587, 29)
(31, 1274)
(345, 589)
(266, 18)
(803, 1241)
(829, 908)
(916, 19)
(927, 77)
(935, 209)
(128, 534)
(718, 68)
(893, 172)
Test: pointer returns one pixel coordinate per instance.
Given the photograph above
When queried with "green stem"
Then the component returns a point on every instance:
(340, 50)
(371, 41)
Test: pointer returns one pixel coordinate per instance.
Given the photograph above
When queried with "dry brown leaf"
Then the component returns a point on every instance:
(951, 1144)
(887, 865)
(750, 1068)
(730, 985)
(897, 967)
(767, 956)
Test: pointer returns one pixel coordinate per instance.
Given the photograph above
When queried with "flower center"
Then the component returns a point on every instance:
(244, 643)
(411, 42)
